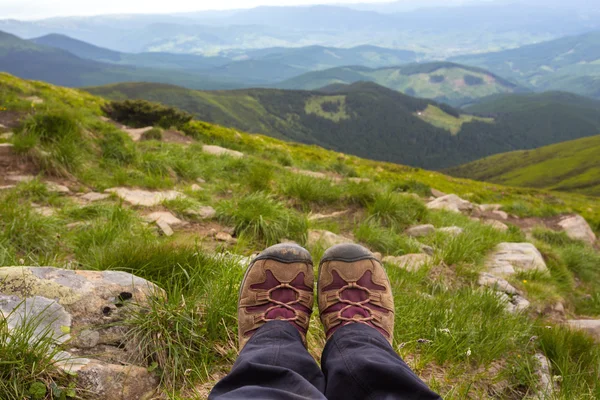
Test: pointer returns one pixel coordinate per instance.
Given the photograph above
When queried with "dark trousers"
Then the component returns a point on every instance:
(358, 363)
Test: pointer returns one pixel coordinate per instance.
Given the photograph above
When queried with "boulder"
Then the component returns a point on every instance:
(87, 309)
(452, 230)
(498, 284)
(576, 227)
(420, 230)
(203, 212)
(450, 202)
(409, 262)
(496, 224)
(143, 198)
(92, 196)
(325, 238)
(591, 326)
(221, 151)
(509, 258)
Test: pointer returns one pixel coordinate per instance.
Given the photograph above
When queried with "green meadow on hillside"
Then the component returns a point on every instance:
(455, 335)
(572, 166)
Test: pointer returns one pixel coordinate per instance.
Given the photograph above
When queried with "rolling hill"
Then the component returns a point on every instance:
(446, 82)
(572, 166)
(29, 60)
(371, 121)
(571, 64)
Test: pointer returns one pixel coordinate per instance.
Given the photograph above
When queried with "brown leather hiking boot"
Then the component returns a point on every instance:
(353, 287)
(278, 285)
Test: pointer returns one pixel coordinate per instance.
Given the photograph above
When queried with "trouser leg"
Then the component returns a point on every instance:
(274, 364)
(359, 363)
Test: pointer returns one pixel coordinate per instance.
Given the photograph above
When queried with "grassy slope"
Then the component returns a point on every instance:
(500, 351)
(569, 63)
(439, 81)
(570, 166)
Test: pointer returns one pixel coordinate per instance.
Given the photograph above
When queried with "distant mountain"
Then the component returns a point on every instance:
(442, 81)
(29, 60)
(570, 63)
(371, 121)
(438, 32)
(572, 166)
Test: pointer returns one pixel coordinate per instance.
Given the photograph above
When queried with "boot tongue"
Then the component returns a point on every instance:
(280, 313)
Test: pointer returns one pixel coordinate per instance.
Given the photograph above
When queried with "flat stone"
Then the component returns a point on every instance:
(203, 212)
(164, 216)
(436, 193)
(409, 262)
(577, 228)
(325, 238)
(221, 151)
(490, 207)
(500, 214)
(6, 135)
(225, 237)
(452, 230)
(195, 188)
(496, 224)
(317, 217)
(93, 196)
(136, 134)
(164, 228)
(56, 188)
(420, 230)
(510, 258)
(313, 174)
(144, 198)
(45, 211)
(499, 284)
(20, 178)
(450, 202)
(7, 187)
(591, 326)
(6, 149)
(545, 387)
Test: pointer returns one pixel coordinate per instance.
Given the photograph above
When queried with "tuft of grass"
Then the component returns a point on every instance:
(260, 216)
(384, 240)
(259, 176)
(308, 190)
(396, 211)
(153, 134)
(117, 147)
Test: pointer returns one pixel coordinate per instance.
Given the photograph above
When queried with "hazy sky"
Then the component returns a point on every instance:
(34, 9)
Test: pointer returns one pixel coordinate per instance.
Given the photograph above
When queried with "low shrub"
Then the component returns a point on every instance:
(141, 113)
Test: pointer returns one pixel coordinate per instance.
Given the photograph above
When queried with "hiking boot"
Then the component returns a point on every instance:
(278, 285)
(353, 287)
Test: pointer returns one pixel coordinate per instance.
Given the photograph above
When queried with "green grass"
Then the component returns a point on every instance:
(395, 210)
(570, 166)
(308, 190)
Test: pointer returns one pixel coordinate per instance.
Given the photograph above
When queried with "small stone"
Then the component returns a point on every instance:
(489, 207)
(325, 238)
(74, 225)
(559, 308)
(436, 193)
(87, 339)
(56, 188)
(7, 135)
(520, 303)
(225, 237)
(136, 134)
(359, 180)
(420, 230)
(452, 230)
(45, 211)
(500, 214)
(203, 212)
(7, 187)
(92, 196)
(195, 188)
(410, 262)
(164, 216)
(426, 249)
(317, 217)
(496, 224)
(450, 202)
(165, 229)
(221, 151)
(200, 180)
(491, 281)
(312, 174)
(34, 99)
(144, 198)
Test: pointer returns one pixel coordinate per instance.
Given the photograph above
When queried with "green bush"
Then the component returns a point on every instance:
(153, 134)
(141, 113)
(263, 218)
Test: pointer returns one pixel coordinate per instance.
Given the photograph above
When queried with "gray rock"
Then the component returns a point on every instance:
(520, 303)
(545, 388)
(164, 227)
(577, 228)
(436, 193)
(452, 230)
(164, 216)
(318, 217)
(420, 230)
(225, 237)
(203, 212)
(493, 282)
(410, 262)
(92, 196)
(221, 151)
(591, 326)
(490, 207)
(496, 224)
(325, 238)
(195, 188)
(426, 249)
(20, 178)
(144, 198)
(500, 214)
(510, 258)
(56, 188)
(450, 202)
(7, 135)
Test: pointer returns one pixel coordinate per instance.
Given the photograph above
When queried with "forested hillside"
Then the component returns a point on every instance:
(372, 121)
(572, 166)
